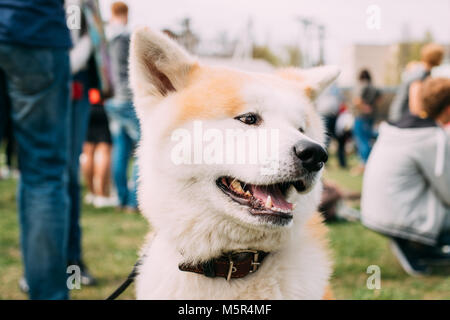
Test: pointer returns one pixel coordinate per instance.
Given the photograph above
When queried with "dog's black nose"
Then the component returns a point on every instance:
(312, 156)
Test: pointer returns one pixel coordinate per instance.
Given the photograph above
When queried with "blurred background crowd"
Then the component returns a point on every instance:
(68, 129)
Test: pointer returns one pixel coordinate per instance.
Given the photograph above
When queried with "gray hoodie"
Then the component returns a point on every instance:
(406, 188)
(119, 43)
(400, 104)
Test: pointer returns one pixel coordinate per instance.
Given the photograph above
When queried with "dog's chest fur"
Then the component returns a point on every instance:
(300, 270)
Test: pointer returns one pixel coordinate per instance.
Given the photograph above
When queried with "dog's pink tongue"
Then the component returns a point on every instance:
(263, 192)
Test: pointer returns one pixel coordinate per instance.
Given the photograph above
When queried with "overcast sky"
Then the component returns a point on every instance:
(274, 21)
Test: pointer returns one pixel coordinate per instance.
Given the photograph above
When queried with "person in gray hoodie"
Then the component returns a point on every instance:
(123, 122)
(406, 187)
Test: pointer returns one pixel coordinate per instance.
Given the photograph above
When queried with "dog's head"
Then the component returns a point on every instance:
(190, 168)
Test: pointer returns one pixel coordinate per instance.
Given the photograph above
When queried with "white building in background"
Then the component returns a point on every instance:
(380, 60)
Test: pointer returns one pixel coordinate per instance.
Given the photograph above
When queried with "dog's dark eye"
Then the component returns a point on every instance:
(301, 130)
(249, 118)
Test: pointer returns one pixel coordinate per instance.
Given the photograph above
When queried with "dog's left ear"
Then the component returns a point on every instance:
(313, 80)
(158, 65)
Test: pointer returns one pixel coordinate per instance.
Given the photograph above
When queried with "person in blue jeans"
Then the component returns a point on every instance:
(34, 64)
(123, 122)
(83, 72)
(124, 127)
(363, 134)
(365, 103)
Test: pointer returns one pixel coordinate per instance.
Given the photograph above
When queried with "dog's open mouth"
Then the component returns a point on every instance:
(264, 200)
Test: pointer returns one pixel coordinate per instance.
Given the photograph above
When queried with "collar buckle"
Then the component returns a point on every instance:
(255, 263)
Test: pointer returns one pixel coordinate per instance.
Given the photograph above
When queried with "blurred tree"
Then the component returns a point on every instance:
(264, 53)
(294, 56)
(410, 51)
(187, 38)
(428, 37)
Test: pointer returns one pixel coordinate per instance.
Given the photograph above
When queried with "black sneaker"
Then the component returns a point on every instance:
(86, 278)
(410, 259)
(438, 256)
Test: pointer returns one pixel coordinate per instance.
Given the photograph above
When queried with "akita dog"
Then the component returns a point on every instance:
(224, 229)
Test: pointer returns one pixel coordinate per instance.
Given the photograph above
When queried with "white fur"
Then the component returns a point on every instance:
(193, 220)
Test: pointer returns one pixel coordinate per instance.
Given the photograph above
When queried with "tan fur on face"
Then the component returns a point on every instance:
(310, 87)
(211, 93)
(291, 74)
(215, 93)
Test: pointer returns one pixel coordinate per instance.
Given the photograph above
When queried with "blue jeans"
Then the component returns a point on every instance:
(37, 82)
(4, 105)
(124, 127)
(330, 125)
(79, 120)
(363, 134)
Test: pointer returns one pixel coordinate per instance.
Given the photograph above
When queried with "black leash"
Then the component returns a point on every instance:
(126, 283)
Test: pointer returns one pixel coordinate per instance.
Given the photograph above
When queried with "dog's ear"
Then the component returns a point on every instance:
(313, 80)
(157, 64)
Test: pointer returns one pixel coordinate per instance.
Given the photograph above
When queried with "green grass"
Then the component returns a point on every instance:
(111, 241)
(355, 248)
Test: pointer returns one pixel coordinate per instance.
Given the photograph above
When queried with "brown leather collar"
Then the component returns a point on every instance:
(236, 264)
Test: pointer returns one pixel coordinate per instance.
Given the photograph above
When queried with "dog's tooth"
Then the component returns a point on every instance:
(293, 206)
(268, 202)
(237, 186)
(248, 194)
